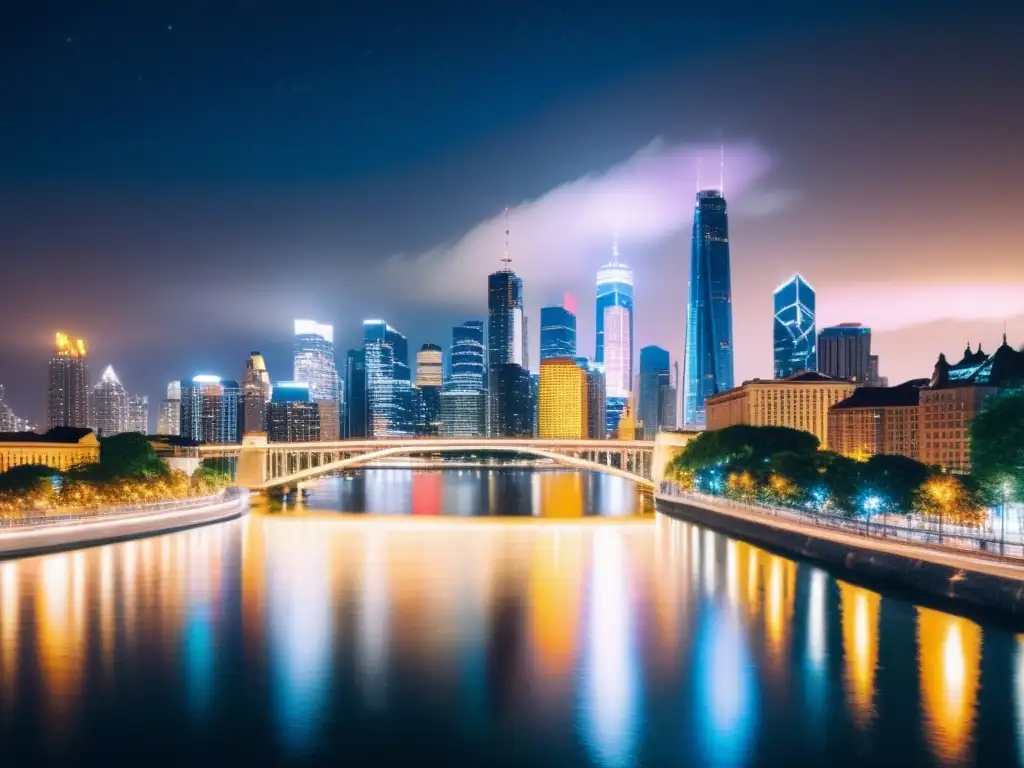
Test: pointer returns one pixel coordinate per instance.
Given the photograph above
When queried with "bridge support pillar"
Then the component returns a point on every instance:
(252, 460)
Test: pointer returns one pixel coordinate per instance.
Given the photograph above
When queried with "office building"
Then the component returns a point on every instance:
(292, 415)
(9, 421)
(464, 394)
(534, 395)
(596, 411)
(210, 410)
(514, 417)
(427, 393)
(61, 448)
(614, 322)
(656, 396)
(798, 402)
(68, 395)
(169, 419)
(138, 414)
(558, 331)
(355, 390)
(314, 360)
(793, 330)
(506, 333)
(256, 391)
(562, 400)
(109, 405)
(389, 395)
(628, 428)
(429, 366)
(876, 420)
(844, 352)
(708, 367)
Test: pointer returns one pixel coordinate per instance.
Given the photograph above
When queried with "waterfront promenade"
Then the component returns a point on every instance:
(38, 535)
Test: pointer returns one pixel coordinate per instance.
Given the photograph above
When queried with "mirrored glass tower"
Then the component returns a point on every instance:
(793, 334)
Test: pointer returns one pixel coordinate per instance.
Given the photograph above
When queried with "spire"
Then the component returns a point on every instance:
(721, 165)
(506, 260)
(698, 170)
(615, 247)
(109, 375)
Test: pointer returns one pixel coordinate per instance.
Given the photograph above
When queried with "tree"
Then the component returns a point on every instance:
(997, 446)
(894, 480)
(130, 455)
(25, 478)
(840, 477)
(951, 499)
(743, 446)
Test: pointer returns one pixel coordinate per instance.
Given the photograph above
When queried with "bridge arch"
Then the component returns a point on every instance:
(351, 462)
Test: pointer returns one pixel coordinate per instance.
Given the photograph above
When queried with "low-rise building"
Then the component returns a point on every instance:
(799, 402)
(61, 448)
(877, 420)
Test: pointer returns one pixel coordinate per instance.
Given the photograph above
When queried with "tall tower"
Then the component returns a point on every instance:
(613, 348)
(109, 405)
(506, 329)
(255, 394)
(314, 359)
(558, 330)
(709, 348)
(429, 377)
(793, 333)
(464, 397)
(68, 396)
(389, 399)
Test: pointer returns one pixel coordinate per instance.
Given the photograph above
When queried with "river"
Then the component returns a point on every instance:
(570, 627)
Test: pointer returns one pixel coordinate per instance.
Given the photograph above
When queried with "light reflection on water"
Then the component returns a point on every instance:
(568, 642)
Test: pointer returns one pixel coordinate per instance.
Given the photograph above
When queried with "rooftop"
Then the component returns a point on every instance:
(906, 394)
(65, 435)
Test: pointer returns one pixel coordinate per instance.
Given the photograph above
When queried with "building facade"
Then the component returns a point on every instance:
(798, 402)
(613, 344)
(427, 394)
(463, 412)
(256, 390)
(138, 414)
(169, 419)
(9, 421)
(355, 389)
(68, 394)
(211, 408)
(596, 406)
(109, 405)
(878, 420)
(292, 415)
(314, 361)
(656, 395)
(708, 367)
(61, 448)
(506, 333)
(562, 400)
(390, 403)
(795, 340)
(557, 332)
(514, 417)
(844, 352)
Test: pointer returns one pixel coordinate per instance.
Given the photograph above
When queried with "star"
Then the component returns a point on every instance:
(170, 27)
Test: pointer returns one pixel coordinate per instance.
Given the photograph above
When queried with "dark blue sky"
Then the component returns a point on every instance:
(178, 180)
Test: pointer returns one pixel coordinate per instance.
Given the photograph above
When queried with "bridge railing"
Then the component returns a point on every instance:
(912, 529)
(30, 518)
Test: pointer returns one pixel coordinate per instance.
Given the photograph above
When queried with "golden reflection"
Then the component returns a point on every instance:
(554, 601)
(860, 610)
(780, 593)
(561, 494)
(949, 661)
(9, 631)
(60, 635)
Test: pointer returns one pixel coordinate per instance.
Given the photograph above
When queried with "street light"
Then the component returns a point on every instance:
(871, 504)
(1002, 519)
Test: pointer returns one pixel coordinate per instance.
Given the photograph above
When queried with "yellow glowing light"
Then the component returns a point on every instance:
(860, 610)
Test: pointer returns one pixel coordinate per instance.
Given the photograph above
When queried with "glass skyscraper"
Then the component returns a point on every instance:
(709, 347)
(109, 405)
(656, 400)
(389, 395)
(68, 395)
(292, 417)
(255, 394)
(463, 397)
(210, 409)
(514, 417)
(557, 332)
(844, 352)
(793, 334)
(613, 347)
(315, 364)
(506, 333)
(355, 391)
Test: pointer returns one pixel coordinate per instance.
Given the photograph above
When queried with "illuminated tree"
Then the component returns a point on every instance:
(951, 499)
(997, 447)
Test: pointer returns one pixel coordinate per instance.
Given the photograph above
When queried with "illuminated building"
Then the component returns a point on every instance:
(562, 400)
(844, 352)
(793, 329)
(68, 397)
(506, 333)
(614, 319)
(210, 409)
(314, 359)
(61, 448)
(429, 366)
(329, 412)
(557, 331)
(9, 422)
(708, 369)
(109, 405)
(462, 412)
(656, 398)
(169, 420)
(956, 394)
(138, 414)
(514, 417)
(876, 420)
(355, 390)
(798, 402)
(389, 394)
(464, 395)
(255, 394)
(596, 412)
(627, 428)
(292, 416)
(429, 378)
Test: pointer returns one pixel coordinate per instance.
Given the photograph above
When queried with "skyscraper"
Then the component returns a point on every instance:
(9, 422)
(844, 352)
(429, 378)
(794, 336)
(68, 397)
(562, 400)
(463, 396)
(314, 359)
(255, 394)
(355, 390)
(656, 406)
(709, 349)
(506, 332)
(596, 410)
(614, 318)
(557, 331)
(514, 417)
(210, 409)
(169, 420)
(109, 405)
(389, 395)
(292, 417)
(138, 414)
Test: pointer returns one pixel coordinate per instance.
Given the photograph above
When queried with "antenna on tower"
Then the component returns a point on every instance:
(698, 170)
(721, 164)
(506, 259)
(615, 245)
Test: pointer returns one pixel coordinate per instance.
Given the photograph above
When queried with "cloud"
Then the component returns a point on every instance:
(567, 232)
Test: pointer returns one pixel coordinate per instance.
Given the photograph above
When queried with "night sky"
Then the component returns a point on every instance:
(179, 180)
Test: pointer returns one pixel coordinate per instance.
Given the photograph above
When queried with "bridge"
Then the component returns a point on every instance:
(263, 465)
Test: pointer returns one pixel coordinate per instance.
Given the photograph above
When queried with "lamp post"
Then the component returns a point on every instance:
(1002, 519)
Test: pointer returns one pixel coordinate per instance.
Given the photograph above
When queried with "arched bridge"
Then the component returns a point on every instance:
(264, 465)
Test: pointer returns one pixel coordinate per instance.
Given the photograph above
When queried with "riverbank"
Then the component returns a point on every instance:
(43, 536)
(968, 580)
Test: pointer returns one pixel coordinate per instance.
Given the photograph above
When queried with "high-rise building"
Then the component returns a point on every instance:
(557, 331)
(169, 420)
(138, 414)
(355, 389)
(468, 359)
(9, 422)
(429, 366)
(210, 409)
(463, 412)
(292, 416)
(68, 397)
(844, 352)
(109, 405)
(389, 393)
(656, 398)
(562, 400)
(255, 394)
(506, 332)
(596, 411)
(314, 360)
(614, 319)
(793, 334)
(708, 365)
(429, 379)
(514, 417)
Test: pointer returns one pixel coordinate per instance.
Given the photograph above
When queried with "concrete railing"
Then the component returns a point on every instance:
(35, 518)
